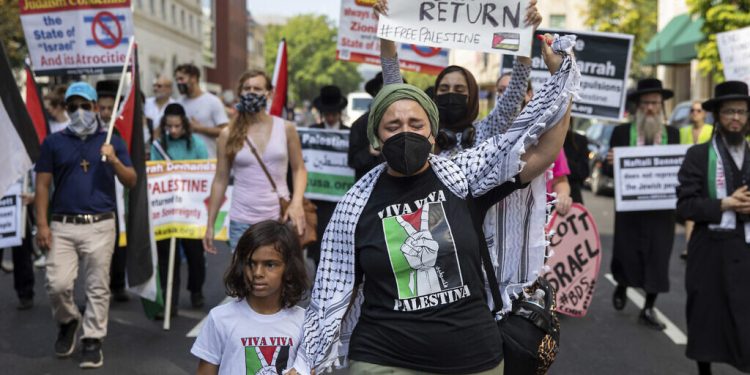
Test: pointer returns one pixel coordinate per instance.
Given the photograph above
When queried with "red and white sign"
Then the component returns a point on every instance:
(358, 41)
(87, 38)
(574, 266)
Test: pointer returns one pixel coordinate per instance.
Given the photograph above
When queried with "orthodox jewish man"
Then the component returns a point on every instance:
(643, 239)
(713, 192)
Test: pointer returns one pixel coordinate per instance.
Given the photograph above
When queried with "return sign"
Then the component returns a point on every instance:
(479, 25)
(646, 177)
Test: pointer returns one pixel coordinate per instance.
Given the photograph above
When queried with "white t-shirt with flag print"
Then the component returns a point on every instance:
(241, 341)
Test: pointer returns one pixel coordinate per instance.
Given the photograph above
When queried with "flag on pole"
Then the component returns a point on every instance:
(280, 82)
(19, 145)
(141, 259)
(34, 105)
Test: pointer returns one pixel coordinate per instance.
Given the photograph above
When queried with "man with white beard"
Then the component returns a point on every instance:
(643, 239)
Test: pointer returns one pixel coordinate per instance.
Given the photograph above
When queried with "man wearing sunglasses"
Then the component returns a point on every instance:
(154, 107)
(81, 229)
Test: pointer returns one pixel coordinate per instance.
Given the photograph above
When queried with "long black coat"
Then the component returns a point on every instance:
(717, 277)
(576, 148)
(643, 239)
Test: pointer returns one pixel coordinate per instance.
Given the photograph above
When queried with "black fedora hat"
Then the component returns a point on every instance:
(374, 85)
(649, 86)
(107, 88)
(330, 100)
(729, 90)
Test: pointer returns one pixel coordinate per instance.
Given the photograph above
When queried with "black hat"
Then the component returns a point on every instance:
(107, 89)
(729, 90)
(330, 100)
(174, 109)
(649, 86)
(374, 85)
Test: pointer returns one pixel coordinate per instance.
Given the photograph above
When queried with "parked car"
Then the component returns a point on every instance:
(598, 134)
(681, 115)
(359, 103)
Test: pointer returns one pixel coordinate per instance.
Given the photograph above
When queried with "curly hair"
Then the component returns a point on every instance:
(284, 239)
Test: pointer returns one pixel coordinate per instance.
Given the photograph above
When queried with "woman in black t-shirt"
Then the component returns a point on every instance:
(401, 256)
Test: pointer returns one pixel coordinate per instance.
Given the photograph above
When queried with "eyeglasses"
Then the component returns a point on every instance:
(695, 110)
(72, 107)
(731, 112)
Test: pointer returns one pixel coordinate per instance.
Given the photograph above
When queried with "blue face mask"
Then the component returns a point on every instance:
(83, 123)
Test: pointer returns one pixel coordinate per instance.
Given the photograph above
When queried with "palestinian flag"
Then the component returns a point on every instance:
(141, 261)
(280, 82)
(19, 145)
(34, 105)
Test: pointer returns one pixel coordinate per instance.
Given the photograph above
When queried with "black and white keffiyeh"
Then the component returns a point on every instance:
(333, 313)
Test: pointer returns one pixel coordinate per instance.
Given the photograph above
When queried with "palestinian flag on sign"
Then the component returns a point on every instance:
(143, 275)
(19, 145)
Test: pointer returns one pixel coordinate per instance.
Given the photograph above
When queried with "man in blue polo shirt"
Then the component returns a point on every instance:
(82, 219)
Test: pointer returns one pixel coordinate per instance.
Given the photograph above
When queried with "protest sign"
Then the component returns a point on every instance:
(604, 61)
(574, 264)
(734, 49)
(11, 205)
(178, 194)
(495, 26)
(358, 42)
(325, 153)
(88, 37)
(646, 177)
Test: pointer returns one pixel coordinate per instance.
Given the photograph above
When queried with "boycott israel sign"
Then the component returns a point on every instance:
(604, 61)
(358, 41)
(10, 217)
(495, 26)
(88, 37)
(325, 153)
(178, 194)
(734, 49)
(574, 264)
(646, 177)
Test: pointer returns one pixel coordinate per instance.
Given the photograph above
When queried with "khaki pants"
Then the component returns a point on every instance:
(364, 368)
(93, 244)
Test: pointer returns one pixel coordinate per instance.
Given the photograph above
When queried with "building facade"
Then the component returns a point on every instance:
(256, 35)
(231, 45)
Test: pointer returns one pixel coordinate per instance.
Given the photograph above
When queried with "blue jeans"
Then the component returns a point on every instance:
(236, 230)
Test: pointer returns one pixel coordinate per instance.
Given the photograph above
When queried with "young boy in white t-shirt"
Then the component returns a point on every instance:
(260, 331)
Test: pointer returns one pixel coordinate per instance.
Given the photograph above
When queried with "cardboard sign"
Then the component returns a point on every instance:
(646, 177)
(734, 49)
(604, 61)
(178, 193)
(89, 37)
(494, 26)
(325, 153)
(574, 265)
(11, 205)
(358, 41)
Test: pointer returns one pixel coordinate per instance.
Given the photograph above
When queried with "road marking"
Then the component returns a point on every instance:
(197, 329)
(674, 333)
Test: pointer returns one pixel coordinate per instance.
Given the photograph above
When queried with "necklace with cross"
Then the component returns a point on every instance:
(85, 165)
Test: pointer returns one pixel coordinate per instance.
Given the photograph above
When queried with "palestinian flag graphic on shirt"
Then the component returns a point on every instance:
(423, 257)
(267, 359)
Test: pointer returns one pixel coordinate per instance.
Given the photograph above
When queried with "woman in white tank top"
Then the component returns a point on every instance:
(278, 145)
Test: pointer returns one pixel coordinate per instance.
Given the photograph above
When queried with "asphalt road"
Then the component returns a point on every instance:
(604, 342)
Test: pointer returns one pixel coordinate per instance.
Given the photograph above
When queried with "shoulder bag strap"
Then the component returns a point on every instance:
(262, 164)
(489, 270)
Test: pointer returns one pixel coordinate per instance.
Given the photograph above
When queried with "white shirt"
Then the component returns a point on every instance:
(152, 110)
(241, 341)
(55, 126)
(209, 111)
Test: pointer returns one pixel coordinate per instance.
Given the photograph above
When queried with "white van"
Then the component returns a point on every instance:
(358, 104)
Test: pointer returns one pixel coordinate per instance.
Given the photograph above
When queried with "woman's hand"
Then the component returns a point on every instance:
(533, 17)
(208, 241)
(563, 204)
(551, 59)
(296, 213)
(381, 7)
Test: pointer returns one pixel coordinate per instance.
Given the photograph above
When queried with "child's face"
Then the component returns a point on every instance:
(265, 273)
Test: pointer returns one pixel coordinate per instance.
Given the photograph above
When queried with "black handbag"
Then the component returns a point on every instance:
(531, 330)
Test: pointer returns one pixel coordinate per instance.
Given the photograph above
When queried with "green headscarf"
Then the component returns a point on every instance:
(390, 94)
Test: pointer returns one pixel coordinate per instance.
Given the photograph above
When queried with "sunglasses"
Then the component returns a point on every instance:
(694, 110)
(72, 107)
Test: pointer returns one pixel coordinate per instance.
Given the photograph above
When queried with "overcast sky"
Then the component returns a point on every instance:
(260, 8)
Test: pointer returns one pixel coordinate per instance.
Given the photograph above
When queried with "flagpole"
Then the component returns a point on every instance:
(170, 273)
(116, 108)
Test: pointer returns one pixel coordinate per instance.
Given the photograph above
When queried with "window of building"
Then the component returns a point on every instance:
(557, 21)
(174, 15)
(192, 28)
(139, 3)
(182, 18)
(163, 10)
(152, 7)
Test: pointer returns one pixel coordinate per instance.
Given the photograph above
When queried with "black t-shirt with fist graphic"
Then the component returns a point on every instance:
(418, 253)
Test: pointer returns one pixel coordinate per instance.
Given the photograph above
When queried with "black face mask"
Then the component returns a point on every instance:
(406, 152)
(182, 88)
(452, 108)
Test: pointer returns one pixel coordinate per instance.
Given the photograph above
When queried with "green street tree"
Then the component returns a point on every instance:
(11, 33)
(719, 16)
(636, 17)
(311, 56)
(421, 80)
